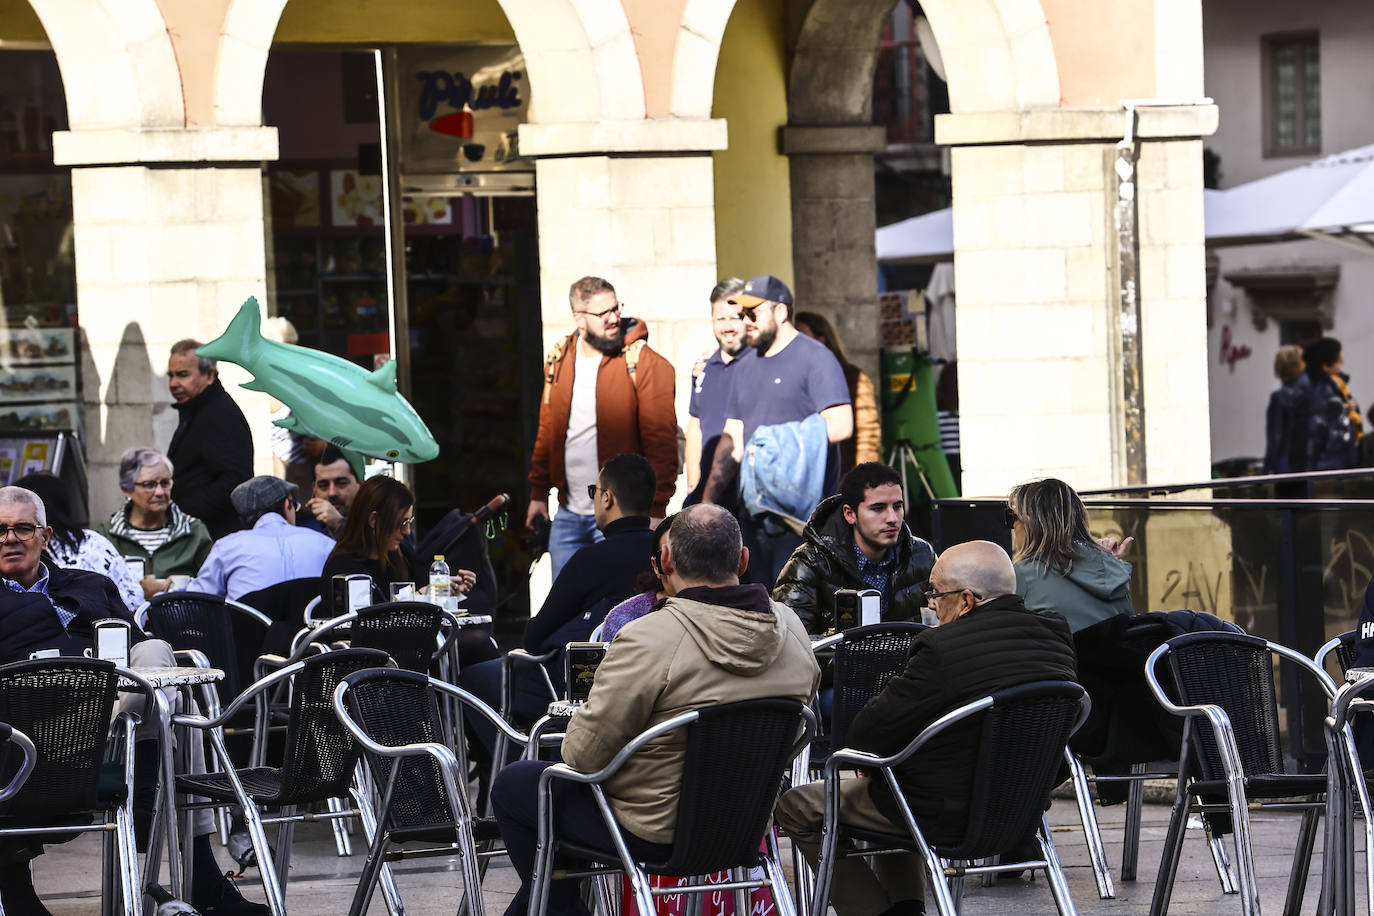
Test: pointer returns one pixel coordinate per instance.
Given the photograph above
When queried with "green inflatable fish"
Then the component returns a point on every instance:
(330, 398)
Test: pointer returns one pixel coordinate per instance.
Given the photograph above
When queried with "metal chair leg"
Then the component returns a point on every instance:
(1221, 860)
(361, 794)
(1302, 860)
(1092, 831)
(1130, 840)
(1059, 886)
(342, 843)
(1168, 862)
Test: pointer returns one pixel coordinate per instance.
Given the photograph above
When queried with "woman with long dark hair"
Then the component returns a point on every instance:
(372, 540)
(1059, 565)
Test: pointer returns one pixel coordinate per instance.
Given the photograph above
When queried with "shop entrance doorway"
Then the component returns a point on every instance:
(437, 268)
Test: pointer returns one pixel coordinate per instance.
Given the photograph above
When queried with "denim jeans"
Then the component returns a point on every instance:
(569, 533)
(515, 799)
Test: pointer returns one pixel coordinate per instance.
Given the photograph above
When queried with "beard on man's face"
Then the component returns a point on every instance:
(610, 346)
(764, 337)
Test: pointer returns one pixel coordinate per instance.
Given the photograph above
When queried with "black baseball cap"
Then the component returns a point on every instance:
(761, 289)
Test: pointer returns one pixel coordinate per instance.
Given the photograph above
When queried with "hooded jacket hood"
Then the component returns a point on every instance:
(1100, 574)
(635, 330)
(741, 630)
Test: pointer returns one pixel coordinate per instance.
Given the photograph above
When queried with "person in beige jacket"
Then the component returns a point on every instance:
(713, 641)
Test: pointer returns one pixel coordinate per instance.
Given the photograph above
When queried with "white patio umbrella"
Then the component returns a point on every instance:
(1331, 198)
(929, 238)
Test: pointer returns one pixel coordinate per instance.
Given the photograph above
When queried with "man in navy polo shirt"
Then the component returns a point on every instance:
(711, 387)
(792, 378)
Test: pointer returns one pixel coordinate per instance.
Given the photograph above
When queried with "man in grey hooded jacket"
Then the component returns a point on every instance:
(715, 641)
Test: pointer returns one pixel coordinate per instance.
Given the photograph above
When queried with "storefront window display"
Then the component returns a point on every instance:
(39, 380)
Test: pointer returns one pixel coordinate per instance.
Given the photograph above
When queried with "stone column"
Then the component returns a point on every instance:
(1039, 343)
(169, 239)
(612, 202)
(833, 222)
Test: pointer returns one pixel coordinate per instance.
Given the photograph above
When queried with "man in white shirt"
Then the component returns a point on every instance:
(606, 393)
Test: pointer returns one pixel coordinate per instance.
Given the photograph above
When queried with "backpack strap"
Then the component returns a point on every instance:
(551, 365)
(632, 360)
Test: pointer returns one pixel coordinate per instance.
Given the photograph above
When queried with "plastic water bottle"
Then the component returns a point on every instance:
(440, 591)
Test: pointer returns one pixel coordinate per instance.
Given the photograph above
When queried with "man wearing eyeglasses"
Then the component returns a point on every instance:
(986, 641)
(271, 549)
(793, 379)
(606, 393)
(49, 609)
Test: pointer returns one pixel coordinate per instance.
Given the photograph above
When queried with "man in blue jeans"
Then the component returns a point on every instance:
(605, 393)
(596, 579)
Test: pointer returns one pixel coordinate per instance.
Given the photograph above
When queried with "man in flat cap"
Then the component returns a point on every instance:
(269, 550)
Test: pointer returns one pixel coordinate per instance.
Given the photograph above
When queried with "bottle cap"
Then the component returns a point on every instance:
(438, 557)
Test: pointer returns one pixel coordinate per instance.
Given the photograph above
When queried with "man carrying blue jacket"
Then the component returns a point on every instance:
(793, 378)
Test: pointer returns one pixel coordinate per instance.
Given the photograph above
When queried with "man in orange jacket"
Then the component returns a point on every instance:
(605, 393)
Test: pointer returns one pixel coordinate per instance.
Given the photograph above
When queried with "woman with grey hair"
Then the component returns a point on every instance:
(1059, 566)
(151, 526)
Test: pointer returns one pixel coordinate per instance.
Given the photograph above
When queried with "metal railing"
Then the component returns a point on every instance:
(1288, 557)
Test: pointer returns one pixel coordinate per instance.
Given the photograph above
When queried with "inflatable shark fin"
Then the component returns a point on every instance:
(239, 341)
(385, 377)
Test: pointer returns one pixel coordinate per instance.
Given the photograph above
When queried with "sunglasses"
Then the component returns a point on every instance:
(1009, 518)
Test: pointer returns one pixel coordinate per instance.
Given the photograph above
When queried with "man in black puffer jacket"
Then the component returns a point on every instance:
(858, 539)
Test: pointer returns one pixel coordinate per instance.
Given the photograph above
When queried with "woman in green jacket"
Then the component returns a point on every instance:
(151, 526)
(1059, 565)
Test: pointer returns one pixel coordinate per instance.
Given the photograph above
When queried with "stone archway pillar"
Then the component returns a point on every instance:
(169, 240)
(634, 202)
(833, 221)
(1037, 320)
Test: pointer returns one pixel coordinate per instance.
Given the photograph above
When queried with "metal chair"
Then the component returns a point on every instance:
(1342, 648)
(83, 764)
(29, 753)
(863, 660)
(395, 716)
(736, 757)
(1347, 787)
(1223, 686)
(1023, 732)
(320, 760)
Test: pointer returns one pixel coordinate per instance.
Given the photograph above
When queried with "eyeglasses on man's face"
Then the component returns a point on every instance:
(22, 531)
(931, 596)
(592, 490)
(613, 310)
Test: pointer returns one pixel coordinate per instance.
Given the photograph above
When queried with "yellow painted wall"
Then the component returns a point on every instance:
(753, 190)
(18, 22)
(361, 21)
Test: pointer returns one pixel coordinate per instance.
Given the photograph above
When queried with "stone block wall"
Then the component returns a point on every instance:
(161, 254)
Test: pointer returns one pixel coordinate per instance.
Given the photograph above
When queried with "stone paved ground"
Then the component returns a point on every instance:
(68, 876)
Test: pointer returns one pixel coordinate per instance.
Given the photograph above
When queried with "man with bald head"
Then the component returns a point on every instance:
(986, 641)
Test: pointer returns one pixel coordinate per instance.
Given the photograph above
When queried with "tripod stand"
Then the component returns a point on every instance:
(903, 455)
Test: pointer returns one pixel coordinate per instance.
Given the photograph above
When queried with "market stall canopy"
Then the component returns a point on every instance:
(1330, 199)
(921, 239)
(929, 238)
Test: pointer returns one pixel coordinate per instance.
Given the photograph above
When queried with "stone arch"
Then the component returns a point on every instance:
(998, 56)
(580, 55)
(698, 49)
(118, 66)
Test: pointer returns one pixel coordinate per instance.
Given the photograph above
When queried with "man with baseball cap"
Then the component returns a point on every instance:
(794, 378)
(271, 549)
